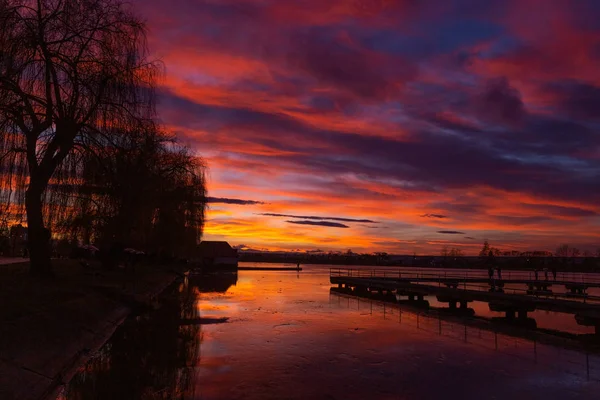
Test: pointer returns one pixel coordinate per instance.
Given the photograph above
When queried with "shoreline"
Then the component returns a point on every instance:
(270, 269)
(517, 266)
(82, 357)
(51, 344)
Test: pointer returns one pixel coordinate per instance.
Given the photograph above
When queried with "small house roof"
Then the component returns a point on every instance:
(208, 248)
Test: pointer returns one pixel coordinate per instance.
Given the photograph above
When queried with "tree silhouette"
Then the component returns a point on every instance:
(563, 251)
(485, 250)
(143, 190)
(455, 252)
(70, 71)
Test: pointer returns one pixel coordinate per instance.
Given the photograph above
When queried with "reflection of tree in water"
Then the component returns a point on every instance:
(149, 357)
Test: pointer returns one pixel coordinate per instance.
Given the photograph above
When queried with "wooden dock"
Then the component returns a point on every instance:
(270, 269)
(460, 290)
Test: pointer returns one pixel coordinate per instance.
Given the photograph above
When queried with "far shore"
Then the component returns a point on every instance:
(581, 264)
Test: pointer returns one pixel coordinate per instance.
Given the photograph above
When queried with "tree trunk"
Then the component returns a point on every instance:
(38, 236)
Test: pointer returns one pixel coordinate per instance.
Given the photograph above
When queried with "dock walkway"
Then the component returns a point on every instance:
(461, 289)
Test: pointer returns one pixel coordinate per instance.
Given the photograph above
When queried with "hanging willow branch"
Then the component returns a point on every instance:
(77, 104)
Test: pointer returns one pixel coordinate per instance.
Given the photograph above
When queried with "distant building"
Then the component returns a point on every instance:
(218, 255)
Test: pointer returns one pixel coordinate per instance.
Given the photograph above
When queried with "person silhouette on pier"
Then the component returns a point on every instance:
(535, 271)
(546, 273)
(554, 273)
(499, 272)
(491, 263)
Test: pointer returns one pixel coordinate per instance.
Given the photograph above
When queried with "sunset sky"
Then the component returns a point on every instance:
(388, 125)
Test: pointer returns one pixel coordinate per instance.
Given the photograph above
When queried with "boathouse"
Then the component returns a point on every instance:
(218, 255)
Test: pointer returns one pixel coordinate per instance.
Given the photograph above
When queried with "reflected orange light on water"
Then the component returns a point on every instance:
(287, 330)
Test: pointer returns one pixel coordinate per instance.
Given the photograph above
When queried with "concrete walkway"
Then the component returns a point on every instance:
(12, 260)
(48, 329)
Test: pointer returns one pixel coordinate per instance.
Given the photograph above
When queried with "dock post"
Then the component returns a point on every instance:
(587, 363)
(463, 304)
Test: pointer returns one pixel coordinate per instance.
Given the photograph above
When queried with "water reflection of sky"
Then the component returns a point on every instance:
(288, 338)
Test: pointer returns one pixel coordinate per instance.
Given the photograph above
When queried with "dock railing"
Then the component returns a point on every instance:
(463, 280)
(571, 277)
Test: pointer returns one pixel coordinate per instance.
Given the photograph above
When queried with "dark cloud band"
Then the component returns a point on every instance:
(223, 200)
(364, 221)
(319, 223)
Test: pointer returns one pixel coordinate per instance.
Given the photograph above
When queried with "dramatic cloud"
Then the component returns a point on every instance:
(501, 102)
(439, 216)
(374, 111)
(319, 223)
(577, 99)
(365, 221)
(451, 232)
(241, 202)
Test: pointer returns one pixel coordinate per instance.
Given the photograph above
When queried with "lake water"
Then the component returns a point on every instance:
(288, 336)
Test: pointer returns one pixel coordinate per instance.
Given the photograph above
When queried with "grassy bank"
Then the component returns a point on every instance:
(48, 327)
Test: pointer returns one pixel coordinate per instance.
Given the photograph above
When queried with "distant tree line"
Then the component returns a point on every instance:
(334, 258)
(565, 257)
(449, 257)
(82, 155)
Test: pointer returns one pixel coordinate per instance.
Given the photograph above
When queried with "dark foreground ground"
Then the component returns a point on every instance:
(48, 328)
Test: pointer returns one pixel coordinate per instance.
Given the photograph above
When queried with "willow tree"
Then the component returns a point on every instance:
(141, 190)
(69, 71)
